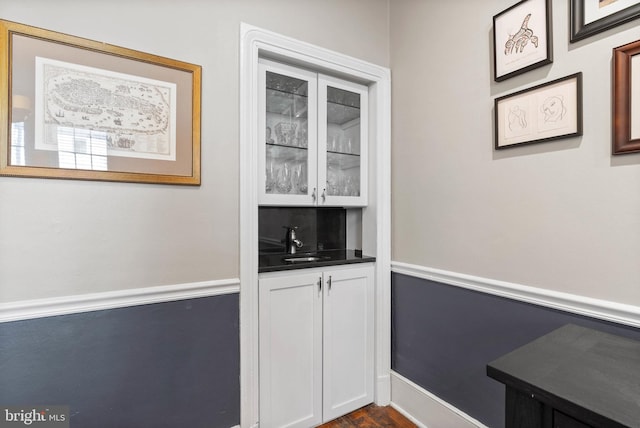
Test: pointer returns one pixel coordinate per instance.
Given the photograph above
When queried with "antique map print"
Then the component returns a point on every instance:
(134, 115)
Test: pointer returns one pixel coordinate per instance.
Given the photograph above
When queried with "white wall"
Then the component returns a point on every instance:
(561, 215)
(72, 237)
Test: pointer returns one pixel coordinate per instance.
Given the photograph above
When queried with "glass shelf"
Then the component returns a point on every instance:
(342, 97)
(331, 152)
(287, 84)
(341, 115)
(287, 146)
(342, 106)
(286, 104)
(342, 160)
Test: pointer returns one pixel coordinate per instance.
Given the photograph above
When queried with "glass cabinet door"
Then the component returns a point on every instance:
(288, 125)
(342, 139)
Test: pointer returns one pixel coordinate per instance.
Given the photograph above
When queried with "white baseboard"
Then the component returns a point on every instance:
(65, 305)
(581, 305)
(425, 409)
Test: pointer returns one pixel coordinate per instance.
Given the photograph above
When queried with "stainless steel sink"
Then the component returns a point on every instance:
(302, 259)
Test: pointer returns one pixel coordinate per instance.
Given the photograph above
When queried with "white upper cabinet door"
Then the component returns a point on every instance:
(348, 351)
(287, 135)
(342, 142)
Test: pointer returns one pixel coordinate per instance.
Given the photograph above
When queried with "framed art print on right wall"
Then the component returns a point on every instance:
(590, 17)
(545, 112)
(522, 38)
(626, 99)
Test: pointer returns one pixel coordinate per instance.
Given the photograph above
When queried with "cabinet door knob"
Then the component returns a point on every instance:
(320, 283)
(329, 282)
(324, 195)
(313, 195)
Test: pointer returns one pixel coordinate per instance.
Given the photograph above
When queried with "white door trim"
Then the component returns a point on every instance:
(255, 42)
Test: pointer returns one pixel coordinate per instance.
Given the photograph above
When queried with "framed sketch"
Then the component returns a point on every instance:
(589, 17)
(80, 109)
(545, 112)
(522, 38)
(626, 98)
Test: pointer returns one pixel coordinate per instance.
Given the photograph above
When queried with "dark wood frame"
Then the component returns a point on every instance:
(580, 30)
(578, 132)
(549, 41)
(188, 97)
(622, 142)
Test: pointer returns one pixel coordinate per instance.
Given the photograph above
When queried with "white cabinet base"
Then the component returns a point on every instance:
(316, 345)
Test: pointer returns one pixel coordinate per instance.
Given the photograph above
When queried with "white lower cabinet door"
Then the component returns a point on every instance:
(290, 351)
(316, 345)
(348, 333)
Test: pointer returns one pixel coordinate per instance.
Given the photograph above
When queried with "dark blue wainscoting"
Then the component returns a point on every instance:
(173, 364)
(444, 336)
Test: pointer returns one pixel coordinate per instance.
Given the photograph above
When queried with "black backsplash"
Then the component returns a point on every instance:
(318, 228)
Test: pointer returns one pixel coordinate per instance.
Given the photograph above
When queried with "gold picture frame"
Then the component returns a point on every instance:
(75, 108)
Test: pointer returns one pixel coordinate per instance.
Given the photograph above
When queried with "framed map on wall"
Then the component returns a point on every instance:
(80, 109)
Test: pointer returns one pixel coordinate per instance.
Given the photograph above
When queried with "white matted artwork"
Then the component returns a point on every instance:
(522, 38)
(127, 115)
(589, 17)
(545, 112)
(598, 9)
(80, 109)
(635, 97)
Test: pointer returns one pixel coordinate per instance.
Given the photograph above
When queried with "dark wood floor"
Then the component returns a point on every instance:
(371, 416)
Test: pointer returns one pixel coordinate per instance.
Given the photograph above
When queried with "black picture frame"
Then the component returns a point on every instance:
(522, 38)
(546, 112)
(581, 30)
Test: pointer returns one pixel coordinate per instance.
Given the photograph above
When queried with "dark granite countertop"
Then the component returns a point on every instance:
(275, 262)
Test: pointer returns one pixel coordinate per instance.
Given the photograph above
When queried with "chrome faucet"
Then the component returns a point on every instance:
(292, 242)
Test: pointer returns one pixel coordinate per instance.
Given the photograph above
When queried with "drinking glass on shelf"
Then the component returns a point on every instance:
(340, 147)
(302, 180)
(349, 188)
(270, 181)
(302, 136)
(331, 146)
(284, 179)
(295, 178)
(268, 138)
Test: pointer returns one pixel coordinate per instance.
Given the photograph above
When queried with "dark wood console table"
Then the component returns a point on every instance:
(573, 377)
